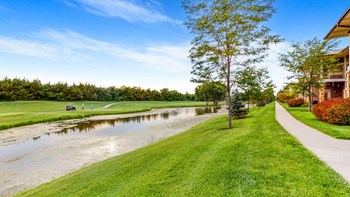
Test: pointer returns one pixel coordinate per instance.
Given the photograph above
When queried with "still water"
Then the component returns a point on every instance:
(100, 128)
(30, 163)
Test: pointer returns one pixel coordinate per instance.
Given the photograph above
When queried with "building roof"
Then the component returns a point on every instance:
(344, 52)
(341, 28)
(340, 53)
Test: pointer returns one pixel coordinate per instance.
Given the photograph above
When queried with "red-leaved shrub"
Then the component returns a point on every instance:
(333, 111)
(320, 110)
(295, 102)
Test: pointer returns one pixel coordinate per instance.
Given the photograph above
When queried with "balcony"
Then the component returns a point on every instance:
(335, 80)
(336, 76)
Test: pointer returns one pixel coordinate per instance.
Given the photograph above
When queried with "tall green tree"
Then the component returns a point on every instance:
(309, 62)
(226, 31)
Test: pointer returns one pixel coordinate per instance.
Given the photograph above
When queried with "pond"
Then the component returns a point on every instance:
(103, 128)
(54, 154)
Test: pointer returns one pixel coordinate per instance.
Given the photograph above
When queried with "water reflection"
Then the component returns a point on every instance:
(95, 124)
(165, 115)
(89, 126)
(36, 138)
(206, 110)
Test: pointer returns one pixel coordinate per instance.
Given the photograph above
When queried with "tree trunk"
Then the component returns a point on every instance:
(310, 99)
(248, 101)
(228, 87)
(229, 117)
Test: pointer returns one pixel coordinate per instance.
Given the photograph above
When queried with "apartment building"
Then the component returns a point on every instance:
(337, 84)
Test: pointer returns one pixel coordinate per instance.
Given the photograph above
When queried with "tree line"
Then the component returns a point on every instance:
(23, 89)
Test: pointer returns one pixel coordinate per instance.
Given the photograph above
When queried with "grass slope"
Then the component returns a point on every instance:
(255, 158)
(21, 113)
(306, 117)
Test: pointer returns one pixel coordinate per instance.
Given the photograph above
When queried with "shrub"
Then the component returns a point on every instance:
(333, 111)
(339, 113)
(238, 109)
(284, 97)
(320, 110)
(295, 102)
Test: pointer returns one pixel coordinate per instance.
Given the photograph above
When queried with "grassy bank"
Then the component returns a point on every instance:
(306, 117)
(21, 113)
(255, 158)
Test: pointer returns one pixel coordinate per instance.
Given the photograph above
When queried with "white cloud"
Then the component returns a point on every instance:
(277, 73)
(158, 56)
(148, 11)
(72, 45)
(33, 48)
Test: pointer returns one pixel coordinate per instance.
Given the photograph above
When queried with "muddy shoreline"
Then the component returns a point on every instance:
(70, 155)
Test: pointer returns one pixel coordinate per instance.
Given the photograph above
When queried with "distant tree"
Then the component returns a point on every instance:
(23, 89)
(255, 84)
(268, 95)
(289, 91)
(309, 62)
(246, 80)
(34, 89)
(211, 91)
(238, 108)
(5, 89)
(263, 86)
(226, 31)
(202, 95)
(189, 97)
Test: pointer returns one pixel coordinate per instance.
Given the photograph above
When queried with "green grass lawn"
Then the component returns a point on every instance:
(302, 114)
(255, 158)
(21, 113)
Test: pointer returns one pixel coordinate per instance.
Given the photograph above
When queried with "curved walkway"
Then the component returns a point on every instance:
(107, 106)
(334, 152)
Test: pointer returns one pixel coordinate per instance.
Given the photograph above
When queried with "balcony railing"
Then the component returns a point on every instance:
(336, 76)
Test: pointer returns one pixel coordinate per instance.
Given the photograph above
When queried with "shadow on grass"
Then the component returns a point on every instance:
(224, 129)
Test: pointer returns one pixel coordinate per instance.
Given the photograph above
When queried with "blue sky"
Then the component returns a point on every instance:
(130, 42)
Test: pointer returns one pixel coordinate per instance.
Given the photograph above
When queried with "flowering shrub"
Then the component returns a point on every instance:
(295, 102)
(333, 111)
(284, 97)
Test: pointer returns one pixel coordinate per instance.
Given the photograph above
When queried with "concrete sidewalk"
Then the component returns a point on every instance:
(335, 152)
